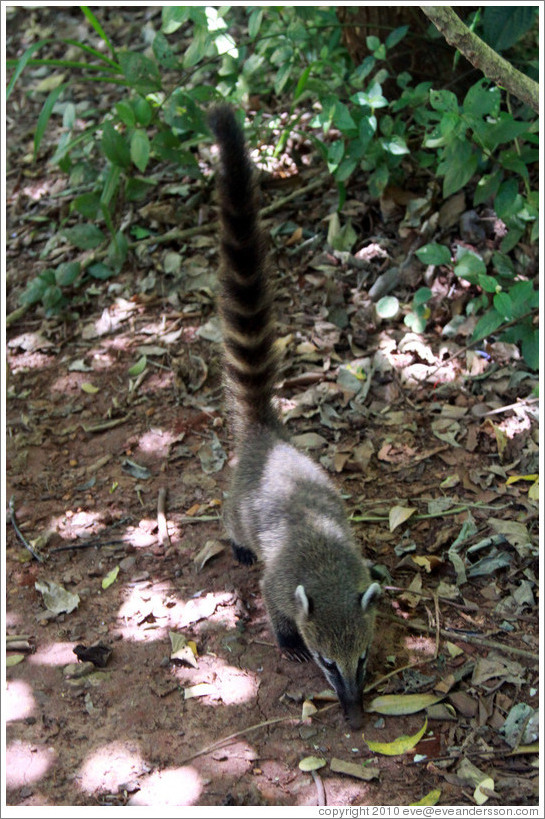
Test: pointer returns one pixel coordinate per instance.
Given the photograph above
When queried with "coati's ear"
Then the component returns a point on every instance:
(370, 596)
(302, 600)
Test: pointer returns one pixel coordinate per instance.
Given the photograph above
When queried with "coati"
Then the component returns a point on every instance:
(282, 507)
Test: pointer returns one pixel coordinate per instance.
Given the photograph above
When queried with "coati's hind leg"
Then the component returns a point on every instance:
(243, 555)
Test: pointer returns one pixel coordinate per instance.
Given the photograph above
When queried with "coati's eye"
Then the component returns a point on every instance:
(331, 665)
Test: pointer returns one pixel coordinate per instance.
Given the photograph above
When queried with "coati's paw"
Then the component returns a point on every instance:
(243, 555)
(293, 646)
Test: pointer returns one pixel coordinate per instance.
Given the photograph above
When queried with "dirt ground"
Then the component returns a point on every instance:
(91, 444)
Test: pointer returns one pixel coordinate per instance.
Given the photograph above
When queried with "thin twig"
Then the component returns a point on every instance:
(320, 791)
(18, 532)
(473, 639)
(95, 543)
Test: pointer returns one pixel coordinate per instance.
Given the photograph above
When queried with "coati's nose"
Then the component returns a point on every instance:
(354, 715)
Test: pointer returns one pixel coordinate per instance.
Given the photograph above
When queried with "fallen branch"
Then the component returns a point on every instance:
(18, 532)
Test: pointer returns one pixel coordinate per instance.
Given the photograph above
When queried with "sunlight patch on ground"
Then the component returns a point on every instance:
(421, 645)
(147, 615)
(18, 702)
(109, 767)
(12, 619)
(26, 763)
(53, 654)
(157, 441)
(175, 786)
(224, 683)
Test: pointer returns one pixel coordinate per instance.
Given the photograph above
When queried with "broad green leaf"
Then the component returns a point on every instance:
(67, 273)
(487, 187)
(87, 204)
(504, 305)
(434, 253)
(335, 153)
(469, 267)
(115, 146)
(52, 297)
(482, 99)
(460, 167)
(100, 271)
(401, 745)
(125, 113)
(85, 236)
(44, 116)
(488, 283)
(34, 291)
(117, 251)
(503, 25)
(109, 188)
(443, 100)
(140, 149)
(422, 295)
(395, 145)
(487, 324)
(162, 51)
(140, 71)
(143, 111)
(530, 347)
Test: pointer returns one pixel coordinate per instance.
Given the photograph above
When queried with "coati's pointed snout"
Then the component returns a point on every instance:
(353, 713)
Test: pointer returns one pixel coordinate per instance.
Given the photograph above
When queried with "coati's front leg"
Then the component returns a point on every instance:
(285, 630)
(243, 555)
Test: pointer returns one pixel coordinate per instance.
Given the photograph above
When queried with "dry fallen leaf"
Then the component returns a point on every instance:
(398, 746)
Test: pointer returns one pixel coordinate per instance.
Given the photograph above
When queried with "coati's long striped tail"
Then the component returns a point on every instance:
(245, 296)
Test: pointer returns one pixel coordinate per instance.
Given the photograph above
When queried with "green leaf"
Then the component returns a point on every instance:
(143, 111)
(504, 305)
(335, 153)
(504, 25)
(34, 291)
(444, 101)
(87, 204)
(488, 283)
(117, 251)
(434, 253)
(85, 236)
(137, 189)
(254, 23)
(115, 147)
(422, 295)
(504, 203)
(469, 267)
(173, 17)
(67, 273)
(396, 36)
(301, 85)
(459, 165)
(282, 77)
(530, 347)
(482, 99)
(387, 307)
(21, 63)
(44, 116)
(487, 187)
(125, 113)
(97, 27)
(503, 265)
(395, 145)
(140, 149)
(110, 578)
(100, 271)
(162, 51)
(487, 325)
(51, 297)
(110, 186)
(140, 71)
(139, 367)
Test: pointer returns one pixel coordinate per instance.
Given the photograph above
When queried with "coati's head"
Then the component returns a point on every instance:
(338, 636)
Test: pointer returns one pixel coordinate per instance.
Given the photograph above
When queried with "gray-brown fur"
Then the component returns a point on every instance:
(282, 507)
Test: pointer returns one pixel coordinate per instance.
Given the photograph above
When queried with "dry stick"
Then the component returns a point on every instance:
(18, 532)
(215, 746)
(161, 518)
(320, 791)
(468, 638)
